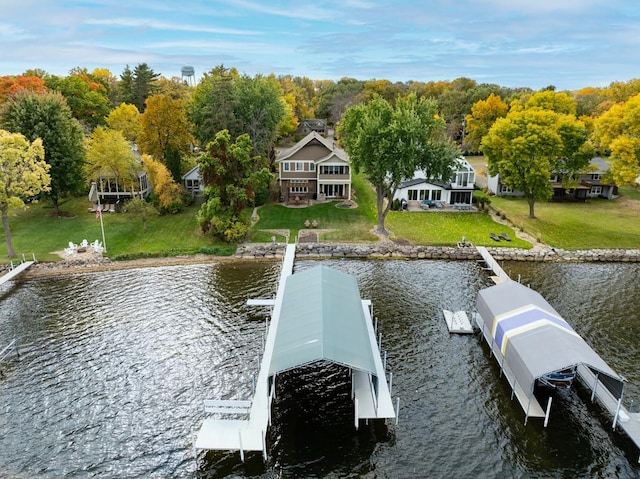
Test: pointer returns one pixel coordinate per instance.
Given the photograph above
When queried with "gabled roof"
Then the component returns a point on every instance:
(193, 172)
(534, 339)
(322, 319)
(312, 137)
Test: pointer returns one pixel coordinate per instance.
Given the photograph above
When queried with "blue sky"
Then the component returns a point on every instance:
(567, 43)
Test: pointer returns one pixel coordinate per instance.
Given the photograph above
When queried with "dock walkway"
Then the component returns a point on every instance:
(628, 421)
(15, 271)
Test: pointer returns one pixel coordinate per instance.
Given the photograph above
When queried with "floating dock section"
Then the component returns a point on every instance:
(332, 324)
(457, 322)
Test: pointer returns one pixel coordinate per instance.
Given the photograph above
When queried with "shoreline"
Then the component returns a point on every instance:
(91, 263)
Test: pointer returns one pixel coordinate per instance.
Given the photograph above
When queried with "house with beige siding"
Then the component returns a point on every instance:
(313, 169)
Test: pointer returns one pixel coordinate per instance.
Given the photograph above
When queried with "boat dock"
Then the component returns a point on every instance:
(295, 317)
(629, 422)
(15, 270)
(492, 265)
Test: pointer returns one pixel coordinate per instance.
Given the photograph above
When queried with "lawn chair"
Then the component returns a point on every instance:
(504, 236)
(494, 237)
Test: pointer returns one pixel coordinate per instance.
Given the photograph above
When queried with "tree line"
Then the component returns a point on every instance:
(87, 122)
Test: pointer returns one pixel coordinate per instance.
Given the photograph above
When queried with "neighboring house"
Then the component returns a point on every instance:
(319, 126)
(590, 185)
(314, 168)
(192, 181)
(109, 189)
(456, 190)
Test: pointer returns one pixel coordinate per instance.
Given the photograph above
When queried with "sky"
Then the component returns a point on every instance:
(570, 44)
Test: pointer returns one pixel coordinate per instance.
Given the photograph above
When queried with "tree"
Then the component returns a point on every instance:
(231, 177)
(126, 119)
(87, 99)
(390, 143)
(527, 145)
(618, 130)
(212, 105)
(23, 174)
(259, 110)
(142, 209)
(165, 132)
(109, 154)
(550, 100)
(335, 98)
(10, 85)
(483, 115)
(166, 191)
(135, 87)
(47, 116)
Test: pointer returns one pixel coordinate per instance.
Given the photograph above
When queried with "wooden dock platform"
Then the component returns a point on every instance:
(498, 273)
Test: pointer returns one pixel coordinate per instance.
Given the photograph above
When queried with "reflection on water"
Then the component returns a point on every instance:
(114, 367)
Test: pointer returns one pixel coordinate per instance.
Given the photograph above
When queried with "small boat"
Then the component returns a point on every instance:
(558, 379)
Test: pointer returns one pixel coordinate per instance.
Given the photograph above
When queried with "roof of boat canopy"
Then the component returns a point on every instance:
(534, 339)
(322, 319)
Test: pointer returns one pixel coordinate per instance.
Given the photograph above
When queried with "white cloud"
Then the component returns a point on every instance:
(156, 25)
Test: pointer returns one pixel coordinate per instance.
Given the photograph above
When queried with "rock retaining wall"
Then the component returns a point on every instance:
(392, 250)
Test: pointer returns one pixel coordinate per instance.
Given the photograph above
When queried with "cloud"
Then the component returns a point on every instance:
(157, 25)
(299, 10)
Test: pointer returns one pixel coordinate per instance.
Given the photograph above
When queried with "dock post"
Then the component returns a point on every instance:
(264, 445)
(375, 326)
(240, 440)
(546, 416)
(526, 416)
(595, 386)
(355, 408)
(390, 382)
(397, 409)
(384, 362)
(615, 419)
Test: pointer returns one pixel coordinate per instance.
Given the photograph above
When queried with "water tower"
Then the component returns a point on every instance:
(188, 75)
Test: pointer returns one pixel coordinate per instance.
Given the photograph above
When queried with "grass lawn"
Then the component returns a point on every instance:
(347, 224)
(35, 231)
(597, 223)
(448, 228)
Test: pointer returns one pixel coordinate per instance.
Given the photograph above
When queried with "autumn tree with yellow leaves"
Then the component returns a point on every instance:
(23, 174)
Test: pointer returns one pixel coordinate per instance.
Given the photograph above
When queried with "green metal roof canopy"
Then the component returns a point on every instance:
(322, 319)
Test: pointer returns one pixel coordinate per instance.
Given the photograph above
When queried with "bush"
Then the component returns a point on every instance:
(395, 205)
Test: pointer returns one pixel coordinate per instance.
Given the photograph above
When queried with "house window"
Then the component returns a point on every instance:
(596, 176)
(299, 166)
(596, 190)
(312, 167)
(505, 189)
(436, 195)
(298, 189)
(412, 195)
(285, 166)
(424, 194)
(333, 170)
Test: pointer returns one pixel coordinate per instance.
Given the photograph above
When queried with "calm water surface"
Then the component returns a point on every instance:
(114, 366)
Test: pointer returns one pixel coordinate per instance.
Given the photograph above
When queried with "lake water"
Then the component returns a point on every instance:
(114, 366)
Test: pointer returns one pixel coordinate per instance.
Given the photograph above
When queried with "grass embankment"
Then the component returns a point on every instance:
(35, 231)
(598, 223)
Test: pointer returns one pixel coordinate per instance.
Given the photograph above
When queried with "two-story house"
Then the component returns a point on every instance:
(590, 185)
(314, 168)
(456, 190)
